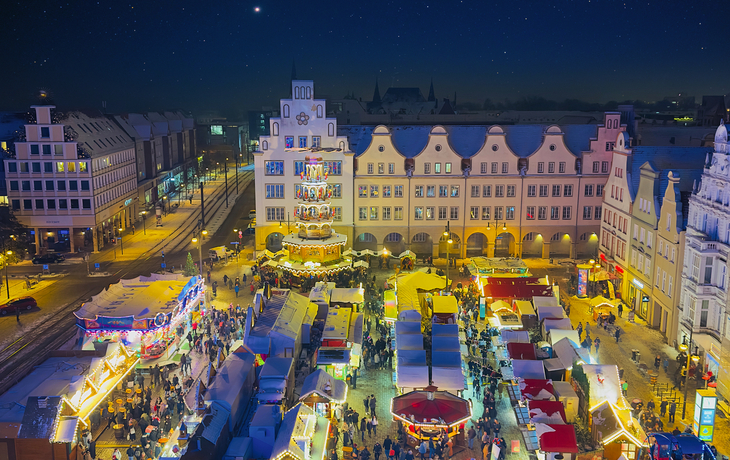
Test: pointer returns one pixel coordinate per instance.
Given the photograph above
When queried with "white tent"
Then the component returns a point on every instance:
(407, 327)
(409, 342)
(361, 263)
(515, 336)
(564, 350)
(447, 378)
(554, 323)
(528, 369)
(605, 384)
(411, 377)
(550, 311)
(557, 334)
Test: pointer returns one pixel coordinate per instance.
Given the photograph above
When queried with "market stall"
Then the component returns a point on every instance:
(506, 319)
(276, 381)
(390, 306)
(528, 369)
(347, 297)
(602, 306)
(445, 343)
(151, 314)
(445, 309)
(515, 336)
(302, 435)
(407, 327)
(447, 372)
(428, 413)
(323, 393)
(549, 324)
(565, 393)
(411, 371)
(233, 386)
(557, 439)
(527, 312)
(558, 334)
(409, 342)
(536, 389)
(618, 431)
(546, 411)
(335, 361)
(517, 350)
(445, 330)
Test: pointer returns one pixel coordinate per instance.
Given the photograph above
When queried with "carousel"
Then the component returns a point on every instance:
(314, 248)
(150, 314)
(429, 413)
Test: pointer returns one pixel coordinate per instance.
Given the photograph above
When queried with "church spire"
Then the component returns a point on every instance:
(376, 93)
(431, 95)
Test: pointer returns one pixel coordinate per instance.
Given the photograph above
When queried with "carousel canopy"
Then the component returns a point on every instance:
(431, 407)
(519, 350)
(141, 297)
(547, 412)
(557, 438)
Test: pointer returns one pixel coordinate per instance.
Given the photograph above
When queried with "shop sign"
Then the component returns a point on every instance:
(638, 283)
(128, 202)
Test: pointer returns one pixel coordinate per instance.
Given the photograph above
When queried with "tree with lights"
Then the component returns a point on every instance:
(190, 269)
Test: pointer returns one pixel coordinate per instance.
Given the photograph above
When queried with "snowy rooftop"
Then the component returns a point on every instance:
(141, 297)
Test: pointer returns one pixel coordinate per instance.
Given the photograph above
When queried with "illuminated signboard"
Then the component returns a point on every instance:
(704, 416)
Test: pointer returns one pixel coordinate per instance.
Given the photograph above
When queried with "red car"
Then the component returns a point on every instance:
(23, 303)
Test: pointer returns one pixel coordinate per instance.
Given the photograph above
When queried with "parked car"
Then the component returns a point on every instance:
(252, 214)
(23, 303)
(48, 259)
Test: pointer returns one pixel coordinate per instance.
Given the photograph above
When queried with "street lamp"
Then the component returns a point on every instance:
(240, 235)
(202, 232)
(447, 234)
(121, 242)
(144, 221)
(7, 262)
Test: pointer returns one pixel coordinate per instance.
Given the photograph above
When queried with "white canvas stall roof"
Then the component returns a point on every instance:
(445, 344)
(321, 292)
(276, 368)
(347, 295)
(558, 334)
(445, 304)
(411, 358)
(553, 364)
(555, 312)
(337, 323)
(409, 342)
(355, 334)
(141, 297)
(604, 383)
(528, 369)
(226, 386)
(407, 327)
(283, 314)
(446, 359)
(412, 376)
(446, 330)
(564, 350)
(447, 378)
(524, 307)
(544, 301)
(515, 336)
(553, 323)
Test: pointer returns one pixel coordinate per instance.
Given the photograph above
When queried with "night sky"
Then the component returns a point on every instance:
(225, 55)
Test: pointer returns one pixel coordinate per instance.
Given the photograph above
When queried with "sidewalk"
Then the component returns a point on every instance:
(18, 288)
(146, 235)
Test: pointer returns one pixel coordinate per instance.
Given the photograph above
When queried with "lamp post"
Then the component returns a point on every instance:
(121, 241)
(7, 262)
(447, 234)
(240, 235)
(686, 375)
(225, 173)
(144, 222)
(201, 232)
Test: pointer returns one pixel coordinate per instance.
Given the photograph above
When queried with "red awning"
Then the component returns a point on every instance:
(444, 406)
(533, 389)
(516, 288)
(548, 408)
(521, 350)
(559, 438)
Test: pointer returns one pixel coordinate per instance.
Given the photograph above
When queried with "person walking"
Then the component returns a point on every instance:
(657, 362)
(373, 401)
(597, 343)
(579, 329)
(620, 309)
(471, 434)
(672, 411)
(377, 450)
(363, 427)
(663, 407)
(183, 363)
(422, 450)
(369, 426)
(374, 421)
(617, 334)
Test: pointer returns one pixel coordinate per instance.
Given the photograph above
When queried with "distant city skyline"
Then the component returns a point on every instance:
(238, 55)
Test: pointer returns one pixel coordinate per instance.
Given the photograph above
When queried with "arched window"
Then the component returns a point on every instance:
(330, 129)
(309, 92)
(296, 92)
(342, 145)
(265, 145)
(320, 111)
(275, 128)
(286, 110)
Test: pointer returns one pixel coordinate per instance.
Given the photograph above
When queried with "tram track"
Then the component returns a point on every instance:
(19, 357)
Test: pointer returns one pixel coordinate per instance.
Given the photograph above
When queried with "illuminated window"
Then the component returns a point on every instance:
(59, 166)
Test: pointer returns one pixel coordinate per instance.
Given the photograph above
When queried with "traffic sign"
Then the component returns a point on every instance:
(164, 265)
(235, 242)
(45, 266)
(240, 234)
(96, 265)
